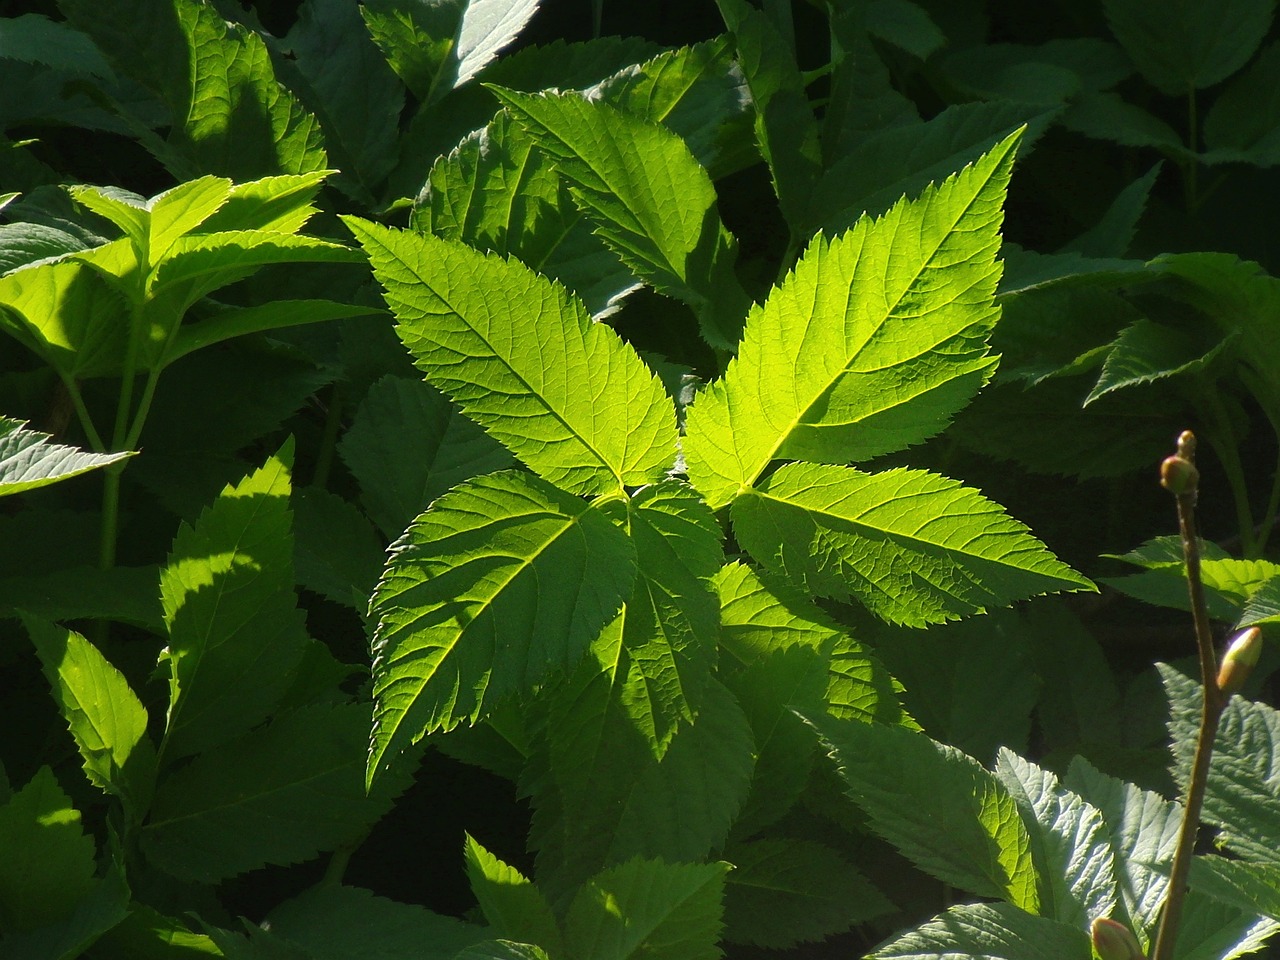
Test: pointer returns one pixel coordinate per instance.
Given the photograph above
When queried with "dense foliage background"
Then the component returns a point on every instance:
(261, 341)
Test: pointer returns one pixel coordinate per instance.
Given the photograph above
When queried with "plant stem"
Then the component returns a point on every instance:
(1210, 712)
(1193, 143)
(329, 439)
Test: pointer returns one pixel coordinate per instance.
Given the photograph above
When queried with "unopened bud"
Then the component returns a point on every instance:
(1240, 659)
(1187, 445)
(1112, 940)
(1179, 476)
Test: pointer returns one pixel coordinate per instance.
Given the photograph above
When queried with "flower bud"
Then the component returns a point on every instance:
(1239, 661)
(1179, 476)
(1187, 445)
(1112, 940)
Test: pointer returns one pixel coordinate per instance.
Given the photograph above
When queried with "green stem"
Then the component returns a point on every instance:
(329, 439)
(1210, 714)
(1228, 451)
(110, 516)
(82, 414)
(1273, 499)
(1193, 142)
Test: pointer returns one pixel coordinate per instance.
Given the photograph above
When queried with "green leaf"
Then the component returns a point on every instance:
(337, 551)
(1107, 116)
(649, 909)
(1112, 235)
(886, 164)
(502, 950)
(487, 26)
(502, 580)
(496, 191)
(1263, 605)
(106, 904)
(32, 38)
(1238, 297)
(950, 694)
(514, 908)
(279, 795)
(938, 806)
(671, 623)
(1042, 72)
(274, 315)
(913, 547)
(784, 892)
(356, 96)
(988, 931)
(1229, 583)
(1212, 930)
(80, 591)
(782, 653)
(336, 922)
(29, 461)
(1069, 842)
(600, 793)
(146, 934)
(1185, 46)
(68, 315)
(697, 92)
(1147, 351)
(49, 859)
(231, 117)
(1249, 886)
(582, 410)
(1243, 794)
(234, 628)
(107, 721)
(652, 203)
(871, 344)
(280, 203)
(1143, 831)
(785, 127)
(1079, 697)
(905, 25)
(1245, 117)
(216, 259)
(414, 37)
(407, 445)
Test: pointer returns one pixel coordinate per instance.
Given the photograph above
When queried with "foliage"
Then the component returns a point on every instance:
(648, 488)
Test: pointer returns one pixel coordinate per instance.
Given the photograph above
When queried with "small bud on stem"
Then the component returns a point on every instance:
(1240, 659)
(1114, 941)
(1179, 476)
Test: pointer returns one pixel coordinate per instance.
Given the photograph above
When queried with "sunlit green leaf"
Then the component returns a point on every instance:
(581, 409)
(871, 344)
(501, 581)
(915, 548)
